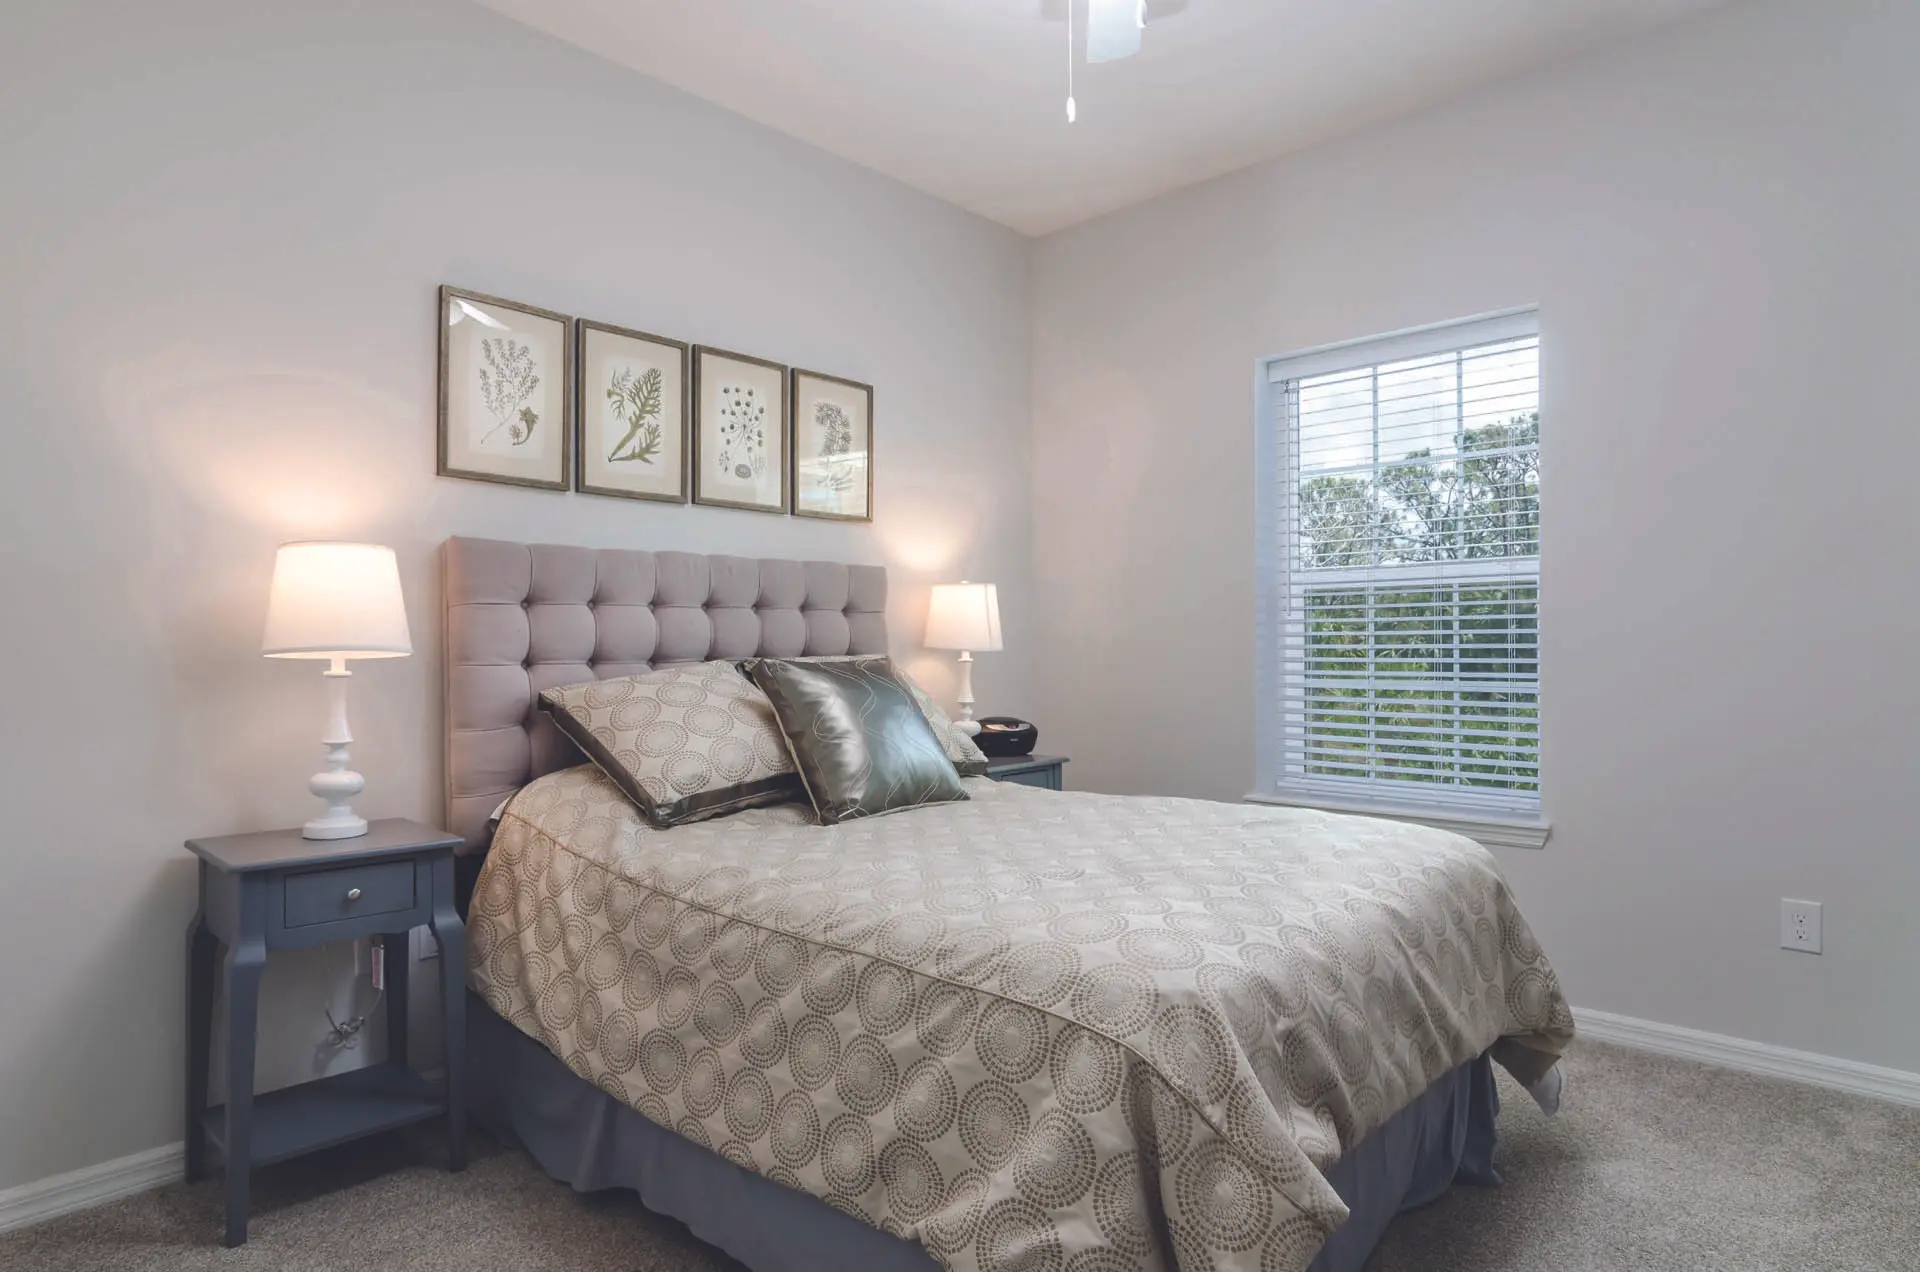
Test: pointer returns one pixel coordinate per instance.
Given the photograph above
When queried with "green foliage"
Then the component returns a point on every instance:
(1483, 501)
(1429, 682)
(635, 402)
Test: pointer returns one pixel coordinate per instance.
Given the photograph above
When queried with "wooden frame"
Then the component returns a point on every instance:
(445, 466)
(582, 413)
(777, 431)
(793, 444)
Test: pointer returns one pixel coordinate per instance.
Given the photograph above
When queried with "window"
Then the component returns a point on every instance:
(1400, 553)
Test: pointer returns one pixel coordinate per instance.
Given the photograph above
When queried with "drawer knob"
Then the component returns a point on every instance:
(353, 894)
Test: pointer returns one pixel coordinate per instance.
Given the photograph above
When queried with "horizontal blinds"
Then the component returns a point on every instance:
(1409, 557)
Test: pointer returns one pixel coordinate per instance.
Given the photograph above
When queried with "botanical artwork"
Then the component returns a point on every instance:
(633, 407)
(506, 381)
(636, 403)
(832, 447)
(742, 453)
(504, 402)
(740, 431)
(836, 446)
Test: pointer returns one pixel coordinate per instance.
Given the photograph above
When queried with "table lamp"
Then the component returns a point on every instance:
(964, 616)
(336, 601)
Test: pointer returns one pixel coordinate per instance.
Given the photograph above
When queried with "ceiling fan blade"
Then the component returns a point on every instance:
(1113, 28)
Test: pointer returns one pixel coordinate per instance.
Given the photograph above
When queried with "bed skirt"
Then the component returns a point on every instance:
(584, 1137)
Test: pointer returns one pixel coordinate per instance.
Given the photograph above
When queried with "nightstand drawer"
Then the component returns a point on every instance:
(1044, 778)
(328, 896)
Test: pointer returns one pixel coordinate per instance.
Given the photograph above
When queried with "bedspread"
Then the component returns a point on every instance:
(1035, 1030)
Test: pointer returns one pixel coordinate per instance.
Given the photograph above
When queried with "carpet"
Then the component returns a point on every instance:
(1653, 1164)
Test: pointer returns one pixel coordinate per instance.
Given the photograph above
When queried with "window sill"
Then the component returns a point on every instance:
(1494, 832)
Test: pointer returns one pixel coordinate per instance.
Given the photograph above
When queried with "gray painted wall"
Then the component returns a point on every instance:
(223, 222)
(1719, 225)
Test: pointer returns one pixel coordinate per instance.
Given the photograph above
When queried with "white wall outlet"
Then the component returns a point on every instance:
(424, 946)
(1800, 925)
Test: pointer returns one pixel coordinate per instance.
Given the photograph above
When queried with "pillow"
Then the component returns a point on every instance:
(857, 737)
(966, 755)
(684, 743)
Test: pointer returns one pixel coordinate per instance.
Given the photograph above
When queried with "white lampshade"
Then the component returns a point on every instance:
(336, 600)
(964, 616)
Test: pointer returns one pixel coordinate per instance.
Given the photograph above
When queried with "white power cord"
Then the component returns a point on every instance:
(345, 1035)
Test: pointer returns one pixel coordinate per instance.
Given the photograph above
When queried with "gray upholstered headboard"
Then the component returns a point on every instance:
(522, 618)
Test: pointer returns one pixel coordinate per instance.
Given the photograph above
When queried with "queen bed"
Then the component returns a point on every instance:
(1032, 1029)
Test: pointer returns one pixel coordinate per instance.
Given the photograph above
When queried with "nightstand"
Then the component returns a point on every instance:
(277, 891)
(1029, 770)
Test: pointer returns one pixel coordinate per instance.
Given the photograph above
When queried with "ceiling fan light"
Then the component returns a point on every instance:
(1113, 29)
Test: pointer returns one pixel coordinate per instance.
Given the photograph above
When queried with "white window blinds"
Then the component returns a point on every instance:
(1402, 571)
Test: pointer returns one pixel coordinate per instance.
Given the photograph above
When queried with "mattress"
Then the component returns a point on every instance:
(1031, 1029)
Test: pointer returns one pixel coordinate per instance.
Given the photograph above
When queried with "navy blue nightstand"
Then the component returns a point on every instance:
(1043, 771)
(275, 891)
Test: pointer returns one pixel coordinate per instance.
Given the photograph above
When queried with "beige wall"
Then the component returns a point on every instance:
(1719, 225)
(221, 227)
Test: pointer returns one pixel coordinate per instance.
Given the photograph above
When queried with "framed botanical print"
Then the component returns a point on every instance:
(831, 444)
(631, 414)
(739, 431)
(506, 398)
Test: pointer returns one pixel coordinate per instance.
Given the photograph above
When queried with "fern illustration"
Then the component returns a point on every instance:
(635, 402)
(506, 382)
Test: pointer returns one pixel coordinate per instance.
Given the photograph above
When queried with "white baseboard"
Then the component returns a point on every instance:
(1894, 1085)
(138, 1172)
(91, 1186)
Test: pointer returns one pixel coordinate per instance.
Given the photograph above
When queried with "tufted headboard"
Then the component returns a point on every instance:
(522, 618)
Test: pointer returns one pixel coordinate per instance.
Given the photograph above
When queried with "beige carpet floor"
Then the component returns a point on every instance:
(1654, 1164)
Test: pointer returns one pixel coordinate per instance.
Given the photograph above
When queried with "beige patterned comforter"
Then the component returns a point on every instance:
(1054, 1032)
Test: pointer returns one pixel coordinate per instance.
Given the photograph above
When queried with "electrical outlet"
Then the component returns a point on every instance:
(1800, 925)
(424, 946)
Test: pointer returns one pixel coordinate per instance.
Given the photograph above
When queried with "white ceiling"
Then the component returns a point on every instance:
(965, 99)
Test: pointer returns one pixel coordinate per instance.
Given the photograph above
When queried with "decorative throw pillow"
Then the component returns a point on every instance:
(857, 737)
(960, 748)
(684, 743)
(967, 757)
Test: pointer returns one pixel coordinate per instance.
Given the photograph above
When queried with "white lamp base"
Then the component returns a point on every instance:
(966, 723)
(340, 823)
(336, 783)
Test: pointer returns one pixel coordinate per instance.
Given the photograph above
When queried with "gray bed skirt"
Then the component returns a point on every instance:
(582, 1136)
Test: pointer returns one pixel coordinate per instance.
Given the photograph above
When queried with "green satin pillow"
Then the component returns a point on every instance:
(857, 736)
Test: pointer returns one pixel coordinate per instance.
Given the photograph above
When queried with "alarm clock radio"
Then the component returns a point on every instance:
(1002, 736)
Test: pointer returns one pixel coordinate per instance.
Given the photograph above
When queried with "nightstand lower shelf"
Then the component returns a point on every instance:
(330, 1111)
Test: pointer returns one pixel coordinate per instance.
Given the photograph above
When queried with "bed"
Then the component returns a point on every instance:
(1031, 1030)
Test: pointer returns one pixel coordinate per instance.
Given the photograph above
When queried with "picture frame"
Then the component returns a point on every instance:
(631, 415)
(739, 431)
(505, 391)
(830, 447)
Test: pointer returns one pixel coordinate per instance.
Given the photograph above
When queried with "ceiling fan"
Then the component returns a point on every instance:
(1113, 30)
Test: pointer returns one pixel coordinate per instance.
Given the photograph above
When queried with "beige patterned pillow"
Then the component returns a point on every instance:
(968, 759)
(685, 743)
(960, 748)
